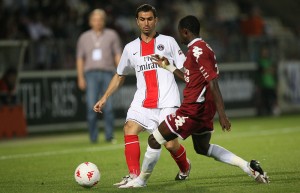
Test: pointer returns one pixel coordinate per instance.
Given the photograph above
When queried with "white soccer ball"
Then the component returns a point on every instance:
(87, 174)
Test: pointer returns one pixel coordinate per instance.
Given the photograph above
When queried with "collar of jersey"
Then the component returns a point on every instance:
(157, 34)
(193, 41)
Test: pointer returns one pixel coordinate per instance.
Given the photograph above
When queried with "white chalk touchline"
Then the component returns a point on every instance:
(251, 133)
(115, 147)
(62, 152)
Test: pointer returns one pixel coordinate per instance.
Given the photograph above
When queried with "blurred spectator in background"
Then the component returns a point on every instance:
(234, 28)
(8, 87)
(253, 28)
(267, 84)
(98, 53)
(253, 24)
(40, 31)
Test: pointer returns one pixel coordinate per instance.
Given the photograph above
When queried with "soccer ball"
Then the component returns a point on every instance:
(87, 175)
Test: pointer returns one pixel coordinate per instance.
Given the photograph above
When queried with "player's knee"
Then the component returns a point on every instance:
(126, 129)
(169, 146)
(131, 129)
(153, 143)
(172, 146)
(201, 150)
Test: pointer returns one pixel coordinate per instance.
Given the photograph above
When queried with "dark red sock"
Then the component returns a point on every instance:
(132, 153)
(180, 159)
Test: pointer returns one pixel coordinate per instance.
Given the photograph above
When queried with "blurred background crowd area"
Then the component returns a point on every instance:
(237, 30)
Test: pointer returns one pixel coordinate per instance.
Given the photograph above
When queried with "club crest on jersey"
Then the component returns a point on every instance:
(197, 52)
(160, 47)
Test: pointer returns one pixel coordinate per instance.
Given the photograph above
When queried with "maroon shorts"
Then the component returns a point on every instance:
(195, 118)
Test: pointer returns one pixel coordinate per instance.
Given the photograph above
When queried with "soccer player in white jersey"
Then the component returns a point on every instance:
(157, 94)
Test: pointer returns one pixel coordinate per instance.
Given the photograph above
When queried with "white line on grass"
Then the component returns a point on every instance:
(255, 132)
(248, 133)
(62, 152)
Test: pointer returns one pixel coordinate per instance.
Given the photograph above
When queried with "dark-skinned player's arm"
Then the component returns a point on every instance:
(163, 62)
(224, 122)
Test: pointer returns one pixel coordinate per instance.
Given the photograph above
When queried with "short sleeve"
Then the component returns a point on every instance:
(80, 48)
(178, 55)
(124, 66)
(206, 60)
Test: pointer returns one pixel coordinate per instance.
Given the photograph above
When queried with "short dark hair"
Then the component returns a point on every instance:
(145, 8)
(190, 23)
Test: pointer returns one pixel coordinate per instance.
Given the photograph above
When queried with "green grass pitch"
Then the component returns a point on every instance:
(45, 164)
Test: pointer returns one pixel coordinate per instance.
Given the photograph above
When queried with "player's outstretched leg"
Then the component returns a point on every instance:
(253, 168)
(202, 146)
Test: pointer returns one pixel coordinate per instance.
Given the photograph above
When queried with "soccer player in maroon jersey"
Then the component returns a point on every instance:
(202, 99)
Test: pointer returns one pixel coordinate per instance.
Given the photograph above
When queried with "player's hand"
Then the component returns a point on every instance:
(98, 106)
(163, 62)
(225, 123)
(160, 60)
(81, 83)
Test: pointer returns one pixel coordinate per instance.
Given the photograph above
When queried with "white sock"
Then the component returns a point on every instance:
(150, 159)
(223, 155)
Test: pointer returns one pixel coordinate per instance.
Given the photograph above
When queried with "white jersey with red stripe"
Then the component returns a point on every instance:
(156, 87)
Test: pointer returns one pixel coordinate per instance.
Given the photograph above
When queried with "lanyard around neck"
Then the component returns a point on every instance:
(97, 39)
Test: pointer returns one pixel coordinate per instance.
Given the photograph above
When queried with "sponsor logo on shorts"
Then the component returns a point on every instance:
(179, 121)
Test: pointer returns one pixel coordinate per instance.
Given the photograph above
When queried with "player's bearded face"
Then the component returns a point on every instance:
(146, 22)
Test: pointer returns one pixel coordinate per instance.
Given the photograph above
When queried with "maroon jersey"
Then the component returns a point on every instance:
(196, 113)
(200, 67)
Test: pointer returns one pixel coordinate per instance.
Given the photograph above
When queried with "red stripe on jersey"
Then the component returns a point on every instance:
(151, 99)
(147, 48)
